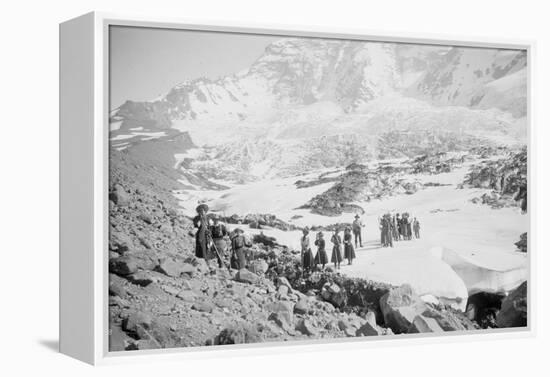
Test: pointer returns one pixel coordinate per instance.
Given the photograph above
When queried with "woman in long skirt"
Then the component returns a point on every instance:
(349, 251)
(307, 255)
(336, 249)
(321, 257)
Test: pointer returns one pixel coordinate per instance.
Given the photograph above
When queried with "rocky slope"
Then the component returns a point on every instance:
(505, 177)
(162, 296)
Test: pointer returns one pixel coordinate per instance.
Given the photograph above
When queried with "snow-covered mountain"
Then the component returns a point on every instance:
(301, 92)
(464, 77)
(302, 71)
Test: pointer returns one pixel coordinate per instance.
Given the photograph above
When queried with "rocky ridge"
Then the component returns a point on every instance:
(506, 178)
(360, 183)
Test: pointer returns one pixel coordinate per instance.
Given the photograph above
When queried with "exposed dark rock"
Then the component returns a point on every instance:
(368, 329)
(360, 184)
(128, 264)
(506, 177)
(307, 328)
(513, 312)
(141, 278)
(522, 243)
(482, 308)
(238, 334)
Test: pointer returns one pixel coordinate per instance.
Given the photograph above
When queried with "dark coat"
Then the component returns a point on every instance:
(336, 249)
(349, 251)
(321, 257)
(201, 239)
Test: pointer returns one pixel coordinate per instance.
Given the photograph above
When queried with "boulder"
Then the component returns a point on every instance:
(334, 294)
(205, 307)
(171, 268)
(118, 339)
(238, 334)
(400, 306)
(136, 321)
(283, 309)
(522, 243)
(130, 263)
(423, 324)
(450, 320)
(282, 290)
(281, 321)
(245, 276)
(368, 330)
(187, 296)
(302, 307)
(513, 312)
(141, 278)
(116, 286)
(258, 266)
(370, 317)
(306, 327)
(199, 263)
(119, 196)
(145, 217)
(120, 241)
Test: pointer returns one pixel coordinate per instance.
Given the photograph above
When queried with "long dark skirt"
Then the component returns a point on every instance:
(201, 246)
(321, 257)
(336, 254)
(238, 259)
(349, 252)
(308, 259)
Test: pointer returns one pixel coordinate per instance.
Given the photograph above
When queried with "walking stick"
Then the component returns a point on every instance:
(209, 239)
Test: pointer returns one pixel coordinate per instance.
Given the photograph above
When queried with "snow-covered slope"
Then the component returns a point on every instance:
(303, 71)
(459, 77)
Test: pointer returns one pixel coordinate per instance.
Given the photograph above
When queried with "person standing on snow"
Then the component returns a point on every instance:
(356, 226)
(306, 254)
(349, 252)
(416, 228)
(336, 257)
(321, 257)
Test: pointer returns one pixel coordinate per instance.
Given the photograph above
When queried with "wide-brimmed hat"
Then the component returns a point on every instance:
(203, 207)
(356, 216)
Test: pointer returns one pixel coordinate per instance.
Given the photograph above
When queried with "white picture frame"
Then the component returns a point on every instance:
(84, 48)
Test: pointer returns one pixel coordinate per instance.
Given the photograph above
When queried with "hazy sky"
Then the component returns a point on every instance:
(147, 62)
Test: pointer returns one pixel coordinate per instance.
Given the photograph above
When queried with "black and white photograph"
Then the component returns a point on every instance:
(283, 188)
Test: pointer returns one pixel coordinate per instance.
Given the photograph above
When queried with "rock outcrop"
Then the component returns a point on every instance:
(513, 312)
(505, 177)
(400, 306)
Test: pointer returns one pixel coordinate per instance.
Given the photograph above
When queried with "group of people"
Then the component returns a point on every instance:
(398, 227)
(214, 241)
(211, 241)
(310, 262)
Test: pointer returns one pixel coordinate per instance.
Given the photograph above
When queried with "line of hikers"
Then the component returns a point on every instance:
(310, 262)
(211, 240)
(211, 243)
(398, 227)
